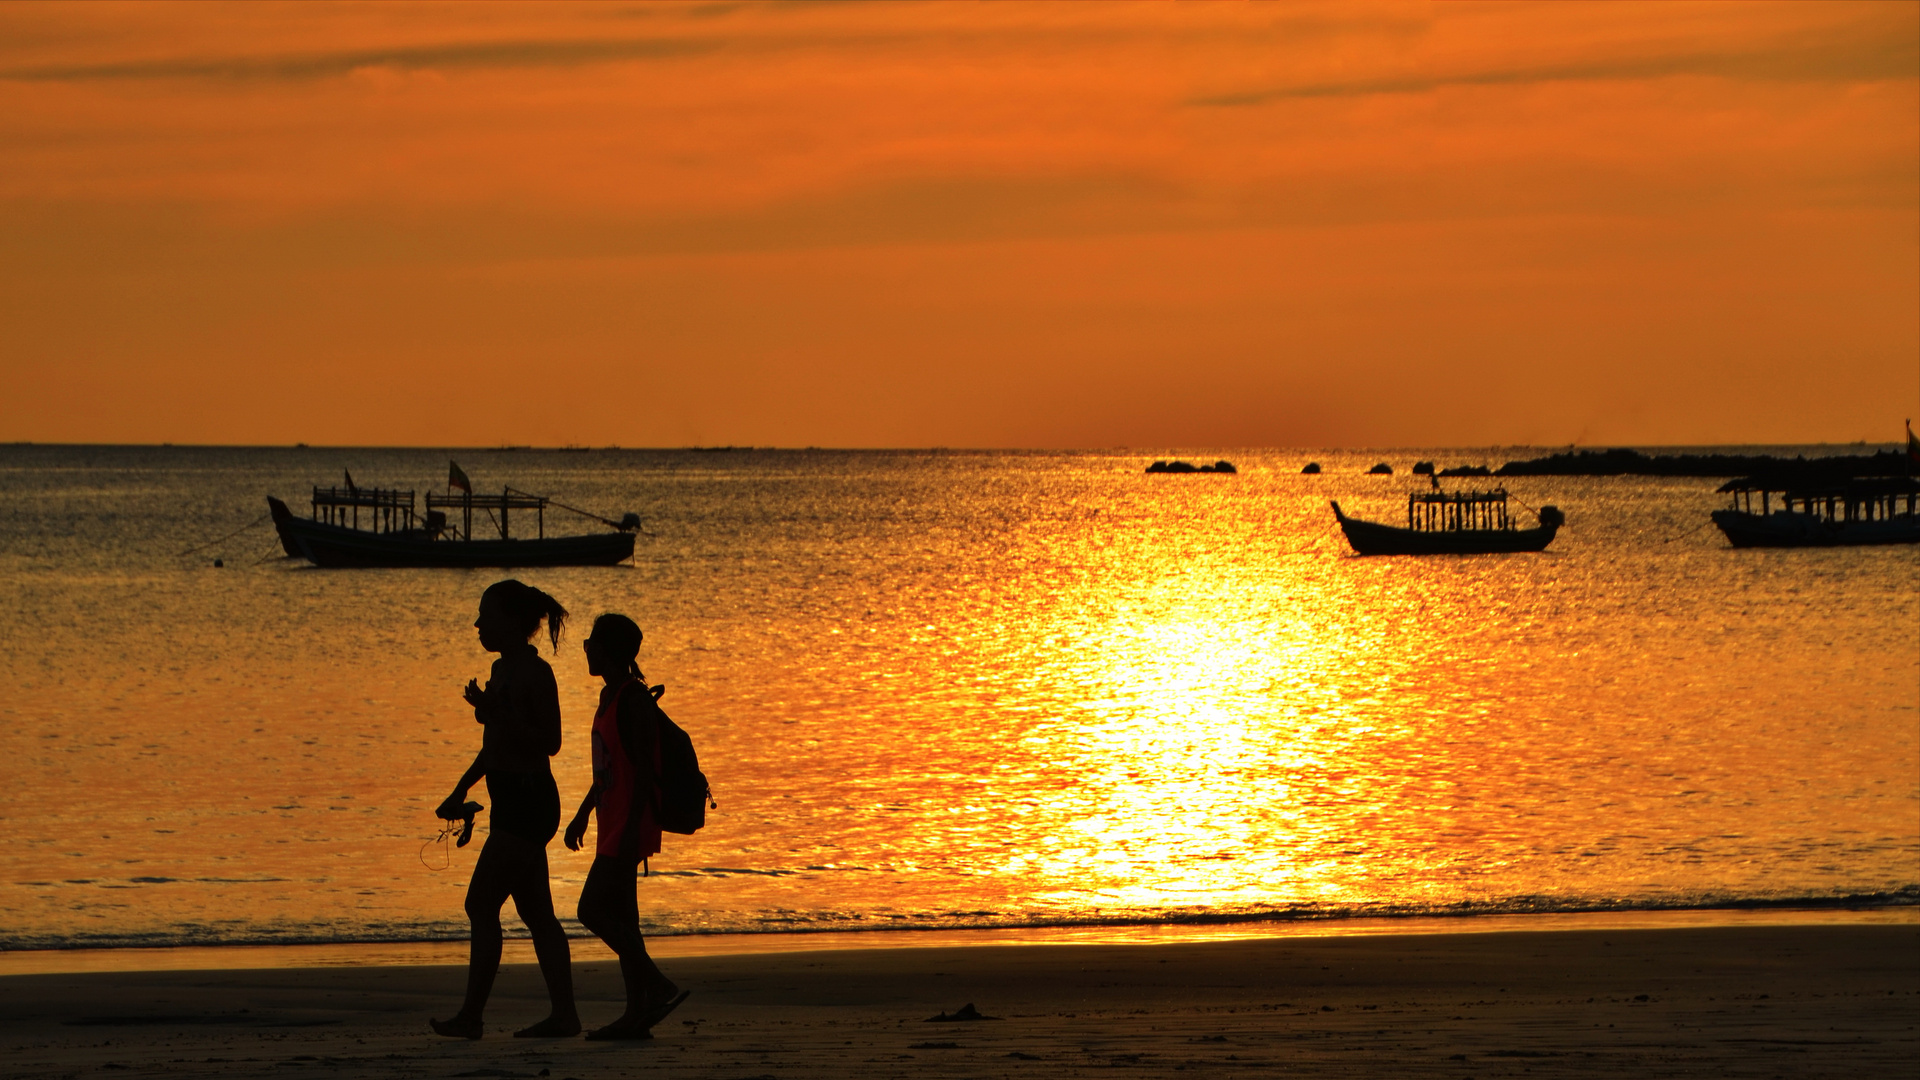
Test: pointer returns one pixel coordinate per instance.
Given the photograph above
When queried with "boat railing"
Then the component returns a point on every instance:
(497, 508)
(389, 509)
(447, 516)
(1457, 511)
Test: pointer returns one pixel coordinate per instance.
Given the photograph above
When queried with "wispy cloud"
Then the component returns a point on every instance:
(1883, 58)
(321, 65)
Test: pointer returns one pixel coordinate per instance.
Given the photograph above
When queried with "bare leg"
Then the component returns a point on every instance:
(493, 875)
(608, 908)
(533, 899)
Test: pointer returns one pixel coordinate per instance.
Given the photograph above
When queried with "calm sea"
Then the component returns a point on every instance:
(950, 689)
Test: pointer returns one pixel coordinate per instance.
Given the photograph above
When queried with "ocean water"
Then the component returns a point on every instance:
(954, 689)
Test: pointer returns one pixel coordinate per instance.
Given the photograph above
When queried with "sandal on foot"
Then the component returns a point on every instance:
(659, 1012)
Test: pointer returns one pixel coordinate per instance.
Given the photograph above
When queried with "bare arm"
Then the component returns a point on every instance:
(449, 810)
(577, 828)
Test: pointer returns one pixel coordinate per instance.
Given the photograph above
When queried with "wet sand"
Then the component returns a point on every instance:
(1766, 1001)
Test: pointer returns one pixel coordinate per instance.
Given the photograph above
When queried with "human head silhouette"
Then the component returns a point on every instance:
(613, 646)
(510, 612)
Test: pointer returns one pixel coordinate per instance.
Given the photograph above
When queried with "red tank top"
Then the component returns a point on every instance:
(614, 775)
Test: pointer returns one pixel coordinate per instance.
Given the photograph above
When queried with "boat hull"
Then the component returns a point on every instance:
(1785, 529)
(1371, 538)
(338, 547)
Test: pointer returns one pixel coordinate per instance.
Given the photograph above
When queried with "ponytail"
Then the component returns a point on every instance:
(556, 616)
(525, 606)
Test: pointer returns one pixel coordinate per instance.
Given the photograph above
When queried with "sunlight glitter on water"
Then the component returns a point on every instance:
(958, 690)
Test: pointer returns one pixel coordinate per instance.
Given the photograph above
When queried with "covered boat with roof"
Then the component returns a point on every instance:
(1810, 511)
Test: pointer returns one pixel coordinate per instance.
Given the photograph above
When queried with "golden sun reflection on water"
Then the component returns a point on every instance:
(970, 690)
(1206, 734)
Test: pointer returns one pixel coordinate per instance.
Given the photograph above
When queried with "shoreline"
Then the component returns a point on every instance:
(1784, 1001)
(519, 950)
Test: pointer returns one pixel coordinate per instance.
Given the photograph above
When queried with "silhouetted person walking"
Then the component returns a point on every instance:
(519, 712)
(624, 800)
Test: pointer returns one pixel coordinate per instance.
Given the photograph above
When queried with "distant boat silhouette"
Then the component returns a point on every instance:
(395, 535)
(1451, 523)
(1846, 513)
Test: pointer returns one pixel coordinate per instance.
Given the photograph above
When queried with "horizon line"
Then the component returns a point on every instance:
(770, 448)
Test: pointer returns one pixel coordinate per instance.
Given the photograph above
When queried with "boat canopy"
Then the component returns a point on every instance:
(1866, 498)
(499, 508)
(395, 510)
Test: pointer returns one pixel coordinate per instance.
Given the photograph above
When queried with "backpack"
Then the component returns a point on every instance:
(684, 794)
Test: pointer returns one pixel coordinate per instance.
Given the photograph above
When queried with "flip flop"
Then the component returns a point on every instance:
(643, 1027)
(659, 1012)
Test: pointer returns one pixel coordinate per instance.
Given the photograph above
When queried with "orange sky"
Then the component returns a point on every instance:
(961, 225)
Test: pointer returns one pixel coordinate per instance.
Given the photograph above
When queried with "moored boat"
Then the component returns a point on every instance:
(1452, 523)
(395, 534)
(1846, 513)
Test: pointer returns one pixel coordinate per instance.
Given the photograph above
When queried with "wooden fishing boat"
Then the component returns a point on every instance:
(1845, 513)
(394, 534)
(1452, 523)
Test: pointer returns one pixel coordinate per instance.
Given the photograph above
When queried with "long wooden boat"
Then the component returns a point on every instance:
(394, 535)
(1452, 523)
(1866, 510)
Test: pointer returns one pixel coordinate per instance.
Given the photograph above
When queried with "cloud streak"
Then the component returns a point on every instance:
(322, 65)
(1867, 61)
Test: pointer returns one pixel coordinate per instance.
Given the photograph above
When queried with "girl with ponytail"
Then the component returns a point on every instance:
(624, 799)
(519, 714)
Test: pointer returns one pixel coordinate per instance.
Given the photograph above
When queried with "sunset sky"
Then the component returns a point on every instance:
(1074, 225)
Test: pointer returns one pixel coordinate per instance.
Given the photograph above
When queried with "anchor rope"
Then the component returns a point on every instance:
(229, 536)
(607, 521)
(1689, 532)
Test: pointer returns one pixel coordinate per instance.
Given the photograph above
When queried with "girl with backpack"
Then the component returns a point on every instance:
(625, 801)
(519, 713)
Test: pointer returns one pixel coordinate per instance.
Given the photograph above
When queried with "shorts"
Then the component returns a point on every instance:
(526, 805)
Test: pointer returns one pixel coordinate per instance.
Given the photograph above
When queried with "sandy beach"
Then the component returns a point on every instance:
(1761, 1001)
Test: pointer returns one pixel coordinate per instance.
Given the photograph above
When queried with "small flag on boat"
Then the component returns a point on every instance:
(457, 479)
